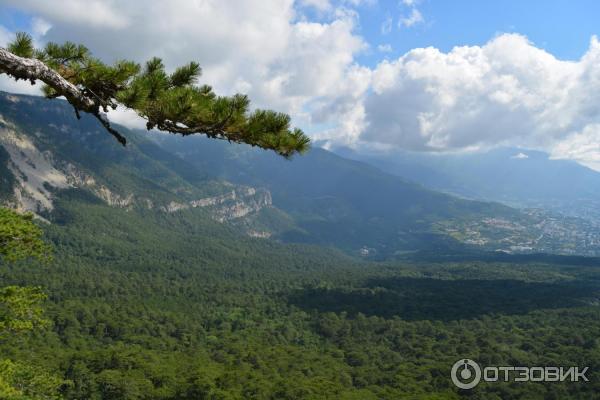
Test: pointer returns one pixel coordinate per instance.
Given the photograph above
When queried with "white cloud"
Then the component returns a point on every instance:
(412, 19)
(320, 5)
(9, 84)
(345, 110)
(40, 26)
(506, 92)
(127, 117)
(259, 47)
(5, 36)
(358, 3)
(95, 13)
(583, 146)
(22, 87)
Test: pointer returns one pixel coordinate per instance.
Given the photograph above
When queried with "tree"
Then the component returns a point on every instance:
(20, 237)
(21, 307)
(168, 102)
(21, 310)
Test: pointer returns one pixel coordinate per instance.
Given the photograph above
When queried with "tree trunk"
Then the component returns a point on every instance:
(32, 70)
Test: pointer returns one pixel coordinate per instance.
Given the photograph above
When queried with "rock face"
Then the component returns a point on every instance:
(238, 203)
(34, 173)
(39, 177)
(241, 204)
(78, 178)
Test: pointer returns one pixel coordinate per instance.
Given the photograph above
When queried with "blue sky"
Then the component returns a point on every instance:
(14, 19)
(367, 73)
(563, 27)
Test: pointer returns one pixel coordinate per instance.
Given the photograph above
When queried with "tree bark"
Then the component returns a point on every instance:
(32, 70)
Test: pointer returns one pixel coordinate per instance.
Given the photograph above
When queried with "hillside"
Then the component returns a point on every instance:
(356, 206)
(176, 306)
(149, 299)
(319, 198)
(48, 154)
(517, 177)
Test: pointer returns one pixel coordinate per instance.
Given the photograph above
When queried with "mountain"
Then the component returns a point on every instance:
(355, 206)
(517, 177)
(336, 201)
(146, 304)
(158, 290)
(47, 155)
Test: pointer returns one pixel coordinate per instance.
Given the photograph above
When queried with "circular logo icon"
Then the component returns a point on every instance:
(465, 374)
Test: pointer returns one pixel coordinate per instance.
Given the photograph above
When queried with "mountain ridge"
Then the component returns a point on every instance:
(514, 176)
(318, 198)
(40, 162)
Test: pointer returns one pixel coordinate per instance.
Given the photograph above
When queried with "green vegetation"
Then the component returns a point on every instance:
(174, 306)
(19, 237)
(21, 310)
(148, 304)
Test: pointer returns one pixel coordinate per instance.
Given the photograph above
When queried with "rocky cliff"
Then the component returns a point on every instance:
(39, 175)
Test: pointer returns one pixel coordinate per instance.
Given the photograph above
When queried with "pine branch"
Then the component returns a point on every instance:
(170, 103)
(33, 70)
(104, 121)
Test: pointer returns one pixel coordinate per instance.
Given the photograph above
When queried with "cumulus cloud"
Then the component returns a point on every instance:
(506, 92)
(40, 27)
(21, 87)
(583, 146)
(259, 47)
(98, 13)
(9, 84)
(321, 5)
(520, 156)
(5, 36)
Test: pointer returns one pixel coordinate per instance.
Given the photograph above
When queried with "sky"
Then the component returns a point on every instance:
(372, 75)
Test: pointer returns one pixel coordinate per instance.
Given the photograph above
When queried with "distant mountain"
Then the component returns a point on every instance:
(47, 156)
(354, 206)
(517, 177)
(335, 201)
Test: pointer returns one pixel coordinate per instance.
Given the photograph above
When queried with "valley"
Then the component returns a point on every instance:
(299, 200)
(352, 207)
(206, 271)
(200, 270)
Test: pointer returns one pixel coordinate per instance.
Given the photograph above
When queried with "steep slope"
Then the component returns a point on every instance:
(518, 177)
(47, 153)
(357, 207)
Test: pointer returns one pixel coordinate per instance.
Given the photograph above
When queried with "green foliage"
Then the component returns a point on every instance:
(148, 305)
(22, 45)
(170, 306)
(20, 237)
(20, 381)
(21, 309)
(169, 102)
